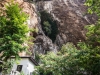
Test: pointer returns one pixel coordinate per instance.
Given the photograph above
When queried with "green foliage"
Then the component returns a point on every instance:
(62, 63)
(6, 66)
(37, 57)
(93, 34)
(90, 59)
(93, 6)
(93, 41)
(47, 27)
(13, 29)
(70, 61)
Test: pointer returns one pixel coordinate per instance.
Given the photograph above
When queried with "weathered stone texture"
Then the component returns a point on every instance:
(71, 16)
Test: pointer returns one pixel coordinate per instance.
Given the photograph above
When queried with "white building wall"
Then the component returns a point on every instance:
(30, 66)
(27, 67)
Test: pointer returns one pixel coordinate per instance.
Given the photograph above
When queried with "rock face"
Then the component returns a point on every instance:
(71, 17)
(42, 43)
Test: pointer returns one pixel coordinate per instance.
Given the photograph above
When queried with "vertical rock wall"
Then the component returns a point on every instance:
(42, 43)
(71, 17)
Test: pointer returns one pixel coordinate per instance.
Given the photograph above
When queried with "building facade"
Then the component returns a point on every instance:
(26, 66)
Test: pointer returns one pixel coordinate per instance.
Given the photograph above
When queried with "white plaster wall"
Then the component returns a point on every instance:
(30, 66)
(27, 67)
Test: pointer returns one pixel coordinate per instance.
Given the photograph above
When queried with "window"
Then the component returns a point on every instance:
(1, 66)
(19, 68)
(0, 69)
(31, 73)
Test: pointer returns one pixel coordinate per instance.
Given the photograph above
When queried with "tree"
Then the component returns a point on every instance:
(93, 34)
(90, 55)
(13, 31)
(62, 63)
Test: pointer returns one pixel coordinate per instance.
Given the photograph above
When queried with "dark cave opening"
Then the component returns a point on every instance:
(49, 25)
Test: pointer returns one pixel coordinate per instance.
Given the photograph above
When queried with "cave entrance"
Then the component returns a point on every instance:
(49, 25)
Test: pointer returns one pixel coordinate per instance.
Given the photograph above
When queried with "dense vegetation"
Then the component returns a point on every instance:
(70, 61)
(13, 33)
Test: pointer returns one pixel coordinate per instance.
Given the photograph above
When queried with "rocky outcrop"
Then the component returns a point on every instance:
(71, 17)
(42, 43)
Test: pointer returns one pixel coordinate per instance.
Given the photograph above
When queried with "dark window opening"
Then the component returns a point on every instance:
(0, 69)
(19, 68)
(31, 73)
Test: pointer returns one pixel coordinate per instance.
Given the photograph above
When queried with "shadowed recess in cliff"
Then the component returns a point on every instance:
(49, 25)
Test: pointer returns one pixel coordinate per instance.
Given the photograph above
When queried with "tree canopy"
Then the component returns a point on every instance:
(13, 31)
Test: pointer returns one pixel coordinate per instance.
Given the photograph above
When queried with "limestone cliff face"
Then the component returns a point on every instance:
(41, 43)
(71, 17)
